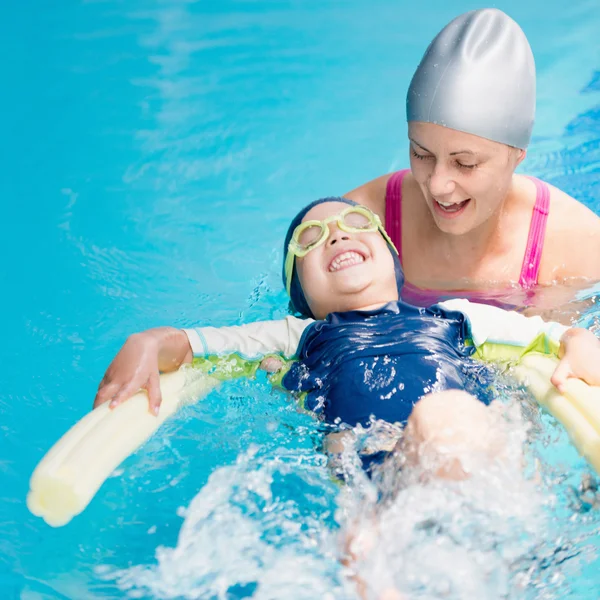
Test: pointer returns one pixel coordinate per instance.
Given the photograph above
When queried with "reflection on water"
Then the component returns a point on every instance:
(570, 304)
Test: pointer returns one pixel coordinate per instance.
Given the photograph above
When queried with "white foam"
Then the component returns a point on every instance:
(243, 530)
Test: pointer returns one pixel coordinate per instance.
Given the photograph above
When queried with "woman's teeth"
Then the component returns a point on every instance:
(451, 206)
(347, 259)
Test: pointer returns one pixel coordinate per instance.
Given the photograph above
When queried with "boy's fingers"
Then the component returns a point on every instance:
(126, 391)
(561, 374)
(154, 395)
(105, 393)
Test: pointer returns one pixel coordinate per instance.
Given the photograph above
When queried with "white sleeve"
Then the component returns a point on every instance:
(250, 341)
(499, 326)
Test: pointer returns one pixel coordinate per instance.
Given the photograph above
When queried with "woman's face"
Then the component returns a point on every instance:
(464, 178)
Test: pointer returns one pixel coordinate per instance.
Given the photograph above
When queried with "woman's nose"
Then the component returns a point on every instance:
(440, 182)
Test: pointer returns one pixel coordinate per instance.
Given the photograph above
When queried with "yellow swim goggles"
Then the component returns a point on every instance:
(312, 234)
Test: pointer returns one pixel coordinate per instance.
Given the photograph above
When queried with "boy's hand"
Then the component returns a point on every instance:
(579, 357)
(138, 365)
(133, 368)
(271, 364)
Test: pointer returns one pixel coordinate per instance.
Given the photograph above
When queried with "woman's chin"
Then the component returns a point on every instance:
(457, 227)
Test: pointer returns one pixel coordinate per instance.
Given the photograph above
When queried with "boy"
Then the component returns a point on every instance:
(362, 353)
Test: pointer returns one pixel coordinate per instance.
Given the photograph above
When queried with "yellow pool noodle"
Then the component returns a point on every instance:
(578, 409)
(66, 479)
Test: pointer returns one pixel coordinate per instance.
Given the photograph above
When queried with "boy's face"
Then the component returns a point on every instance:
(350, 271)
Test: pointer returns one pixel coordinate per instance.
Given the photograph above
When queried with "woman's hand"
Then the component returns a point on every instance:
(138, 365)
(579, 358)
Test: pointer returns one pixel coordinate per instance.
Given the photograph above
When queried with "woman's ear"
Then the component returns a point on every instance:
(521, 154)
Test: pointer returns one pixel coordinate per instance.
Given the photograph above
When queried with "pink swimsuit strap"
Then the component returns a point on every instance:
(535, 240)
(537, 233)
(393, 208)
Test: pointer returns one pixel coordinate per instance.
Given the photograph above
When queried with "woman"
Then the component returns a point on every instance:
(460, 217)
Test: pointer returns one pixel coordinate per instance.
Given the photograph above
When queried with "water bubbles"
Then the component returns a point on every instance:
(246, 534)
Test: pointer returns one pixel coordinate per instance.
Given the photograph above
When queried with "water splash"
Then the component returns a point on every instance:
(249, 532)
(273, 525)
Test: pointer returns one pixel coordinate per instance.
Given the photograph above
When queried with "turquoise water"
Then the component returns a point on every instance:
(152, 155)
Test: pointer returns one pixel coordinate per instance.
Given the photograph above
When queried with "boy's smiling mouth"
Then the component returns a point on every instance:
(346, 259)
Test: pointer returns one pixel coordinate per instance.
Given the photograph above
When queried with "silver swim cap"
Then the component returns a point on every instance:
(477, 76)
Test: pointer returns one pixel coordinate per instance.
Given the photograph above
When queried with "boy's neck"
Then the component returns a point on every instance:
(373, 306)
(358, 302)
(369, 306)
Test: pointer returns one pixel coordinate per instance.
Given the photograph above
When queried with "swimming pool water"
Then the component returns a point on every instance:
(153, 152)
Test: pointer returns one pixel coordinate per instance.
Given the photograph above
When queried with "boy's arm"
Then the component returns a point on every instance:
(490, 324)
(578, 349)
(145, 355)
(251, 341)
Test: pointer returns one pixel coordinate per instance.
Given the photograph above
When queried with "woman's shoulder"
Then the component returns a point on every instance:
(371, 194)
(566, 214)
(569, 217)
(575, 212)
(572, 243)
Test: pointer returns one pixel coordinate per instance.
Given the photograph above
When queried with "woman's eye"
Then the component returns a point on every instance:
(462, 166)
(419, 156)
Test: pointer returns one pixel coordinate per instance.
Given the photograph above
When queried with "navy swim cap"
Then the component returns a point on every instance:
(298, 301)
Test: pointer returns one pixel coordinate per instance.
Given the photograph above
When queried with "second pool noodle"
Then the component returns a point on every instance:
(70, 474)
(577, 410)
